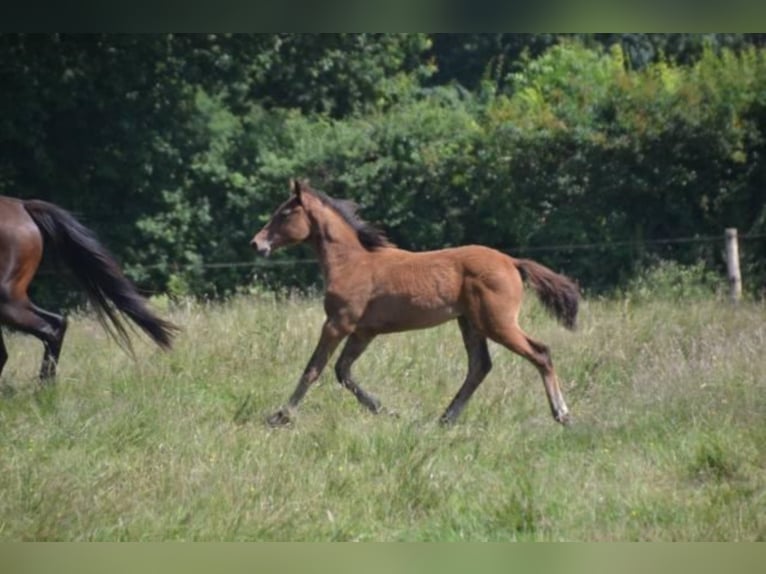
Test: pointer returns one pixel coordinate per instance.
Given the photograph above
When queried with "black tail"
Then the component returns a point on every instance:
(111, 293)
(558, 293)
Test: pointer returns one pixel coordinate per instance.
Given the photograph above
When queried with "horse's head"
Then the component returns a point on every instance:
(288, 225)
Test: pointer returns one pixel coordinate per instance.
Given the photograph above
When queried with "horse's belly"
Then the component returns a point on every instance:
(393, 315)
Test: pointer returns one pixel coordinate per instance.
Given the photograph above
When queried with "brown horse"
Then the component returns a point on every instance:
(25, 228)
(371, 288)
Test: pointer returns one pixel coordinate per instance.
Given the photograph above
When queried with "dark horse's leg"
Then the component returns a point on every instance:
(355, 346)
(479, 364)
(328, 342)
(3, 353)
(52, 352)
(47, 327)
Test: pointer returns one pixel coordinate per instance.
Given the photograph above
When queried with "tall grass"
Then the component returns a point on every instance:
(668, 440)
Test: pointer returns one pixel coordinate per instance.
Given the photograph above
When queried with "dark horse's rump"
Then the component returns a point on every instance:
(26, 227)
(372, 287)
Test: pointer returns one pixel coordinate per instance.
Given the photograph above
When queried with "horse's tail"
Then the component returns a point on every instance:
(558, 294)
(111, 293)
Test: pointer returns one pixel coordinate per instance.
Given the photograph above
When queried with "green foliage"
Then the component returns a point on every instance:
(631, 157)
(668, 280)
(339, 74)
(175, 148)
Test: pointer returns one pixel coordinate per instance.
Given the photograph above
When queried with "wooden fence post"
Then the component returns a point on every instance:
(732, 264)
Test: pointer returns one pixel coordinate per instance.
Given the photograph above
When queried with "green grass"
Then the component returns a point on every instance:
(668, 441)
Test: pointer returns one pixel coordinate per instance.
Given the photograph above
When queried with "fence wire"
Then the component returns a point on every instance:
(261, 262)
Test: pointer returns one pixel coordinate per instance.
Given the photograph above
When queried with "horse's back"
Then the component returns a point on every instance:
(417, 289)
(443, 272)
(471, 262)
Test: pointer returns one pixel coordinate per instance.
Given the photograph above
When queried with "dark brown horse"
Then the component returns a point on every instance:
(25, 228)
(371, 288)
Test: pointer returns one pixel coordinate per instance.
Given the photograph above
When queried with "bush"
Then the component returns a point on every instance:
(574, 149)
(669, 280)
(571, 148)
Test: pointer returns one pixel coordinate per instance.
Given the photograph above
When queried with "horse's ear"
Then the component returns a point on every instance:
(296, 188)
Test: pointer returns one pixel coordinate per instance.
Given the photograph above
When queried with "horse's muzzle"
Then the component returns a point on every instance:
(262, 247)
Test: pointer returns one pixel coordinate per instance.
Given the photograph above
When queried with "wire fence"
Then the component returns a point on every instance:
(54, 291)
(262, 262)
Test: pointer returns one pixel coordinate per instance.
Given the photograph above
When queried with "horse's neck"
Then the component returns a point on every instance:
(337, 247)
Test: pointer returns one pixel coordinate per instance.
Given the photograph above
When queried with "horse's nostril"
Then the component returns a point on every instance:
(263, 248)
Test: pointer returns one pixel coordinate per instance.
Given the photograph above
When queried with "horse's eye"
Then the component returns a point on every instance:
(286, 212)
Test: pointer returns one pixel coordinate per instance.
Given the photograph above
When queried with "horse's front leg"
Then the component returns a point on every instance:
(328, 342)
(355, 346)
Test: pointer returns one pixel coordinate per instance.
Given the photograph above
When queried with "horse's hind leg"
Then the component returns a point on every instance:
(353, 349)
(3, 353)
(52, 350)
(539, 355)
(20, 315)
(479, 365)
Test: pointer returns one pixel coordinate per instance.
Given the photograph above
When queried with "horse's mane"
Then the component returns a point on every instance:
(369, 236)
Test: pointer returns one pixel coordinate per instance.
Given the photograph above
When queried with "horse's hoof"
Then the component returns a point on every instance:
(374, 406)
(565, 419)
(47, 378)
(279, 418)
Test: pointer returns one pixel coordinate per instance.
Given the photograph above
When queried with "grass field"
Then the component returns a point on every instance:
(668, 440)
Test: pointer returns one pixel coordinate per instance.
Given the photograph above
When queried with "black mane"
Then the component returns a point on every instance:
(369, 236)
